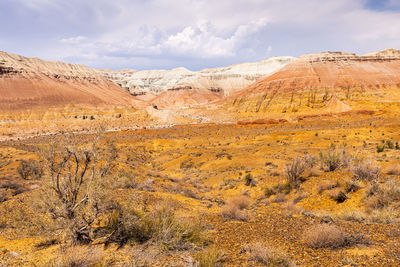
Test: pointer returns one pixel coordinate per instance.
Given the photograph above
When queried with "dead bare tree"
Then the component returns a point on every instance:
(74, 170)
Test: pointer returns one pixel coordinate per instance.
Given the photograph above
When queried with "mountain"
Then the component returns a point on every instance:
(32, 82)
(167, 86)
(327, 82)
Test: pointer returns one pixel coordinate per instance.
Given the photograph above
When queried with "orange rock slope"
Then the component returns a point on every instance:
(184, 96)
(31, 82)
(331, 81)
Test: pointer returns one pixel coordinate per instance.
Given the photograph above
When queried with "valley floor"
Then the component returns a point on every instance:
(202, 169)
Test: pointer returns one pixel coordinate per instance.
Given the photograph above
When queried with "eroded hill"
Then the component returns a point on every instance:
(331, 82)
(32, 82)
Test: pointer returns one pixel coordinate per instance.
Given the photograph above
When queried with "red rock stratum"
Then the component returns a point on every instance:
(31, 82)
(334, 81)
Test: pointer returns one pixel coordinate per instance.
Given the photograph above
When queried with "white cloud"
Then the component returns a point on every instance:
(73, 40)
(204, 42)
(194, 33)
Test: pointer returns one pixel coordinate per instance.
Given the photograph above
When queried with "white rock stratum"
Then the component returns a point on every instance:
(224, 81)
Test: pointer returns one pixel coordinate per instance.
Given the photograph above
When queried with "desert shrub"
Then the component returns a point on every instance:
(393, 170)
(327, 185)
(294, 170)
(231, 212)
(382, 195)
(366, 171)
(284, 188)
(30, 168)
(165, 228)
(333, 159)
(80, 256)
(161, 226)
(249, 180)
(268, 256)
(241, 201)
(338, 195)
(209, 257)
(235, 208)
(350, 186)
(310, 160)
(329, 236)
(123, 225)
(397, 146)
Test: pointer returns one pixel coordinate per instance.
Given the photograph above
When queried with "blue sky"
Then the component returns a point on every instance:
(154, 34)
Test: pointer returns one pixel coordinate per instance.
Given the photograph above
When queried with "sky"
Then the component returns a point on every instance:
(196, 34)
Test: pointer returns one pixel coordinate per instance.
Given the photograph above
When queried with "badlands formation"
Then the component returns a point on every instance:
(328, 82)
(306, 172)
(32, 82)
(181, 87)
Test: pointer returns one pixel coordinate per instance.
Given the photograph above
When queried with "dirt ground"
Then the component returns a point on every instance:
(201, 167)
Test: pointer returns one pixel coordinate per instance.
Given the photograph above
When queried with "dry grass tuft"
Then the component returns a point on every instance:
(366, 171)
(382, 195)
(241, 201)
(209, 257)
(294, 170)
(268, 256)
(329, 236)
(350, 215)
(385, 215)
(160, 226)
(235, 208)
(80, 256)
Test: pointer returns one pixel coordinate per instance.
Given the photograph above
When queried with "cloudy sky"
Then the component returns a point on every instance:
(154, 34)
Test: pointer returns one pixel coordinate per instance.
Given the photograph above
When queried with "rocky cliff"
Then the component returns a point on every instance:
(28, 82)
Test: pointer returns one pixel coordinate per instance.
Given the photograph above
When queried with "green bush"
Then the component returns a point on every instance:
(389, 144)
(380, 148)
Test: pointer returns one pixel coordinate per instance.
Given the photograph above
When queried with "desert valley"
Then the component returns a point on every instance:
(283, 162)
